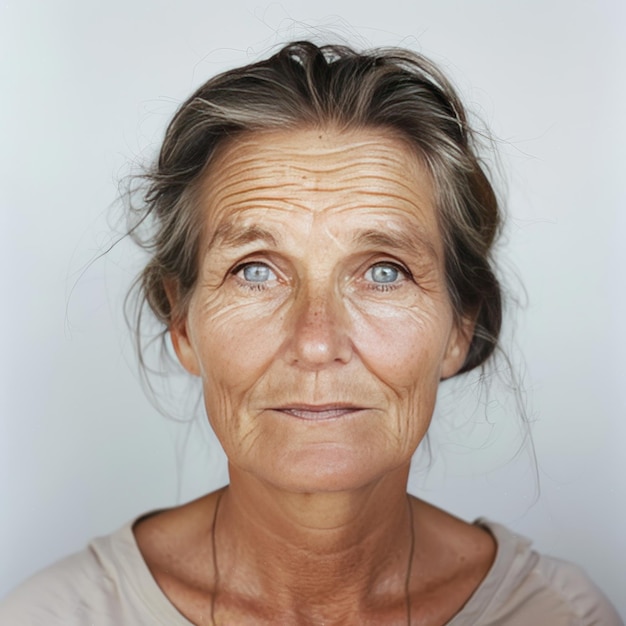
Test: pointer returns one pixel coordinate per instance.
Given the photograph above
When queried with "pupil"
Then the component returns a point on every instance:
(256, 273)
(384, 274)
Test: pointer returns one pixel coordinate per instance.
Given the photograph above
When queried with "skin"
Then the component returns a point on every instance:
(321, 328)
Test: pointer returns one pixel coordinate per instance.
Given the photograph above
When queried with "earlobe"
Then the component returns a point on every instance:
(179, 332)
(458, 346)
(184, 347)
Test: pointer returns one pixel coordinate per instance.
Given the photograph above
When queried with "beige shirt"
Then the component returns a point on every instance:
(109, 584)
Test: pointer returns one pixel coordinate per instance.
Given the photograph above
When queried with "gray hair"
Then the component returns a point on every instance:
(305, 85)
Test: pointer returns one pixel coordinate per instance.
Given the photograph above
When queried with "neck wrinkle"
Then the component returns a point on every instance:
(315, 550)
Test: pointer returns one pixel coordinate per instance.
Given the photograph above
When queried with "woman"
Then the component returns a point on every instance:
(321, 259)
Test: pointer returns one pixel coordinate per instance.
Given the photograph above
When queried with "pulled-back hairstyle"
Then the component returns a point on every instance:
(304, 85)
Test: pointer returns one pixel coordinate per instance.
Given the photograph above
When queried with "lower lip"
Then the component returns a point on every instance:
(319, 416)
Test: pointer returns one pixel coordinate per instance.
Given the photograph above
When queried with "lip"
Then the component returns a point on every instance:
(319, 412)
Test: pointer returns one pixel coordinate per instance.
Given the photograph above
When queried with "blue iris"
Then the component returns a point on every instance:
(257, 273)
(384, 273)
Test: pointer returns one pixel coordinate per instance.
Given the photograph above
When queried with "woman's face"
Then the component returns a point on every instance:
(320, 324)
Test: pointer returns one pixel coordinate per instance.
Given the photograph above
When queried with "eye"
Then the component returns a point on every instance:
(254, 274)
(384, 274)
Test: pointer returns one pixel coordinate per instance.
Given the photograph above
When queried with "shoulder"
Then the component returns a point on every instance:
(174, 546)
(524, 587)
(569, 587)
(107, 584)
(63, 593)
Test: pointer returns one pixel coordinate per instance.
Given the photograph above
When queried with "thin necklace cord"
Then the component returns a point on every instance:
(409, 566)
(216, 571)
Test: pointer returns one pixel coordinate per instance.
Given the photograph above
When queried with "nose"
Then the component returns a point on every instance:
(319, 331)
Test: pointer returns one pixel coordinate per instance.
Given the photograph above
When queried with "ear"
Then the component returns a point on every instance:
(458, 346)
(179, 331)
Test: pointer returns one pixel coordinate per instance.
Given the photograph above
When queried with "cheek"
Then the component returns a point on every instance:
(403, 346)
(404, 349)
(235, 343)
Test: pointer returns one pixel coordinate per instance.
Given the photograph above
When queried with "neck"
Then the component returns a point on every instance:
(312, 552)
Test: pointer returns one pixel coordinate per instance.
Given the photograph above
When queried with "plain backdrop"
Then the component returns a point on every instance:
(86, 89)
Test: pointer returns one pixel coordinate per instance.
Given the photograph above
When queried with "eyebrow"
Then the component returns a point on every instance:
(231, 236)
(409, 241)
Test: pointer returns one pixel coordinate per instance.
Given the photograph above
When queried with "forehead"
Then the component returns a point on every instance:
(318, 175)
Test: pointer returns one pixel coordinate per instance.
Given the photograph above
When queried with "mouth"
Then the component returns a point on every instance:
(319, 412)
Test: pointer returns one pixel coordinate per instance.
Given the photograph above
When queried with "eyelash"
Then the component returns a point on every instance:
(386, 287)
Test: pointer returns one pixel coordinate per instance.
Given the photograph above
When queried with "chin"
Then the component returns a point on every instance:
(326, 469)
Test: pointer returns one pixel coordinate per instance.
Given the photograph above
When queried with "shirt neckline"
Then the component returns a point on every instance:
(123, 548)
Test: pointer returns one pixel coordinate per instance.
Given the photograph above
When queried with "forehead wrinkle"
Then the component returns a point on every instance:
(305, 157)
(415, 184)
(307, 164)
(241, 194)
(256, 174)
(264, 177)
(247, 147)
(242, 165)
